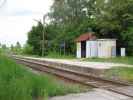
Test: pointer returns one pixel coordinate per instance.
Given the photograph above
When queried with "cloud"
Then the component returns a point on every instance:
(24, 13)
(16, 18)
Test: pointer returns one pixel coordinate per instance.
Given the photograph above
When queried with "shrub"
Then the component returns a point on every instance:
(18, 83)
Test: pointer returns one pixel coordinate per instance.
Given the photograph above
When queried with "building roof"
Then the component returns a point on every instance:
(106, 39)
(85, 37)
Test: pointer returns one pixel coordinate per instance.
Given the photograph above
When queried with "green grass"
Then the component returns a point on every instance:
(120, 73)
(124, 60)
(18, 83)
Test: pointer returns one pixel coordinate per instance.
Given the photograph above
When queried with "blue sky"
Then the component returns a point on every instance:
(16, 18)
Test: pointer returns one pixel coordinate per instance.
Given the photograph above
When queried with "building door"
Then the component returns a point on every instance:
(83, 49)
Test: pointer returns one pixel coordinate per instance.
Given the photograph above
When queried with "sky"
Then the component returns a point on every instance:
(17, 18)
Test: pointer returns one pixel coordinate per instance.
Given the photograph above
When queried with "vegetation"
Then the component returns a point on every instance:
(17, 49)
(124, 60)
(70, 18)
(16, 82)
(120, 73)
(59, 56)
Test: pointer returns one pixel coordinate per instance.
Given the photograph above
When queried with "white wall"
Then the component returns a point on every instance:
(78, 49)
(91, 49)
(102, 48)
(106, 48)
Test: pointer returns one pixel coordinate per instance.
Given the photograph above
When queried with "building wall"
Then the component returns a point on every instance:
(106, 48)
(78, 49)
(102, 48)
(91, 49)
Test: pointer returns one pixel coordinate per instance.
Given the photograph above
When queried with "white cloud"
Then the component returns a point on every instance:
(16, 18)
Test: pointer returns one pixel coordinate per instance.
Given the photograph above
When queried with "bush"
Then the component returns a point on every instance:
(128, 40)
(18, 83)
(27, 49)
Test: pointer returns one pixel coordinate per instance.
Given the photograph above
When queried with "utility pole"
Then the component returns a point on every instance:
(43, 36)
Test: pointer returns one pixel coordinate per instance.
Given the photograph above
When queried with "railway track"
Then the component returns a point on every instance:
(75, 76)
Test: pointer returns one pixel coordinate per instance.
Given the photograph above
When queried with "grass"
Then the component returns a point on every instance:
(53, 55)
(124, 60)
(59, 56)
(18, 83)
(120, 73)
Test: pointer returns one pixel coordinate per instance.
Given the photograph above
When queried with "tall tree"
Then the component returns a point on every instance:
(115, 21)
(72, 17)
(35, 38)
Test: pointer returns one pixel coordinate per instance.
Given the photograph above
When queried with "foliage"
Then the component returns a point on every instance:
(128, 39)
(70, 18)
(27, 49)
(16, 82)
(17, 49)
(35, 38)
(59, 56)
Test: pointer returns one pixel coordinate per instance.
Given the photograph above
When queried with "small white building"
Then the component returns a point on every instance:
(88, 46)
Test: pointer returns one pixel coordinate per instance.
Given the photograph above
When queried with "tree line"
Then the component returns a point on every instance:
(70, 18)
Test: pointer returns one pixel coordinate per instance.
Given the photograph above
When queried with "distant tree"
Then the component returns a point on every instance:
(12, 47)
(0, 45)
(27, 49)
(18, 45)
(4, 47)
(17, 48)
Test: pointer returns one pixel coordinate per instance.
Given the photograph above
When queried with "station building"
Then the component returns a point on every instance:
(89, 46)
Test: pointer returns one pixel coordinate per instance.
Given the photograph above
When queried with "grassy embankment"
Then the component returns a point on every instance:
(120, 73)
(54, 56)
(124, 60)
(18, 83)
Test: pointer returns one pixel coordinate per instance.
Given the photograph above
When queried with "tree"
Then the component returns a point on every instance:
(4, 47)
(27, 49)
(115, 20)
(35, 38)
(127, 37)
(115, 16)
(12, 48)
(17, 49)
(70, 18)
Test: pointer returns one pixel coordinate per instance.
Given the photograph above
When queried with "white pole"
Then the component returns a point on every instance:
(123, 52)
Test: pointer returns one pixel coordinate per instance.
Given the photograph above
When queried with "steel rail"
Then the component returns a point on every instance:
(75, 76)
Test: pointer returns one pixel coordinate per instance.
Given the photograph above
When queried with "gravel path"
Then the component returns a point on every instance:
(97, 94)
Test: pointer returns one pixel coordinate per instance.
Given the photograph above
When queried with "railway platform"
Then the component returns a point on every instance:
(94, 68)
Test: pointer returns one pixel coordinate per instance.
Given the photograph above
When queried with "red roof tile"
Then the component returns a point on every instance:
(85, 37)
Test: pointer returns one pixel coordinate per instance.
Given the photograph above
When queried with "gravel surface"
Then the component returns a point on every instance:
(96, 94)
